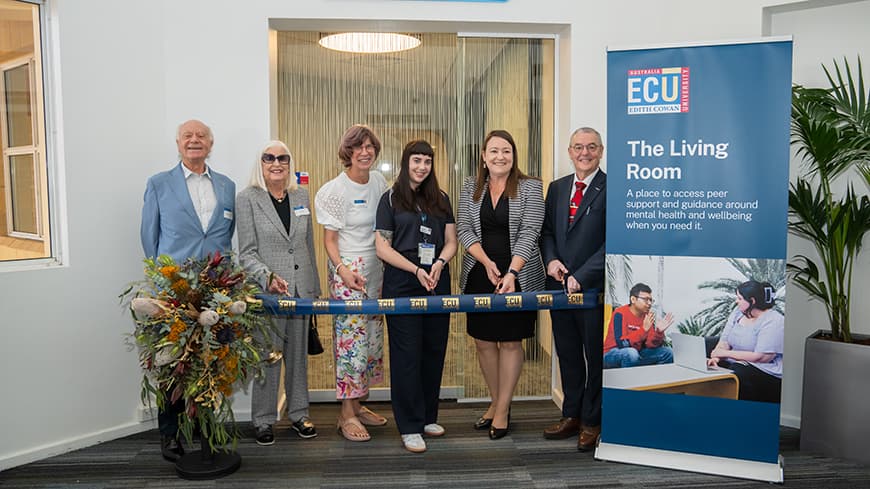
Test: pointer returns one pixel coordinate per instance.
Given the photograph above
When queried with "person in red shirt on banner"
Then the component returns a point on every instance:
(633, 336)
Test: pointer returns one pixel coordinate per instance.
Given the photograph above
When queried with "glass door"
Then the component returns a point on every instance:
(450, 91)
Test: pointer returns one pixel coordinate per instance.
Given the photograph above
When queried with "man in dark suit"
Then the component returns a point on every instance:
(572, 246)
(188, 212)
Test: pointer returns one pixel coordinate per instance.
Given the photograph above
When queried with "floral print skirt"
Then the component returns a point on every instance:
(359, 339)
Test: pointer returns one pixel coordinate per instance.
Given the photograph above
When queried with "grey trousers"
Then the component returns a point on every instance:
(292, 337)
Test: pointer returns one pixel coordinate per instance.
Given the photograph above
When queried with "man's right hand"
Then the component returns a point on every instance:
(557, 270)
(649, 320)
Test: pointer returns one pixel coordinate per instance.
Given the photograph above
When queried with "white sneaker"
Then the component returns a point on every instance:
(414, 443)
(433, 429)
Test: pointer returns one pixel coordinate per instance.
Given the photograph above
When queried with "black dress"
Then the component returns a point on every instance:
(496, 242)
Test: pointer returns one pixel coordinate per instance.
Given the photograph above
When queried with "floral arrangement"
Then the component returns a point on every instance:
(198, 333)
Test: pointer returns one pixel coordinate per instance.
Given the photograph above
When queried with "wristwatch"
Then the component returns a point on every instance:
(442, 260)
(516, 273)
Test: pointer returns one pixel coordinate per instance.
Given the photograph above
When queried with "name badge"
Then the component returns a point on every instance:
(426, 252)
(425, 230)
(359, 203)
(228, 214)
(300, 210)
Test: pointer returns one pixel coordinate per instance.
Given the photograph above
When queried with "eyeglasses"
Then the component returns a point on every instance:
(591, 147)
(269, 158)
(648, 300)
(367, 147)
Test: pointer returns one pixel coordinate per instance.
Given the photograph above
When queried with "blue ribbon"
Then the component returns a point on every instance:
(434, 304)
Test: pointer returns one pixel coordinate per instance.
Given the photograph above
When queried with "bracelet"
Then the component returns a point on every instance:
(416, 271)
(442, 260)
(516, 273)
(339, 266)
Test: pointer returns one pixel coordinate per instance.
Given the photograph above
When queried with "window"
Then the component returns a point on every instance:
(24, 212)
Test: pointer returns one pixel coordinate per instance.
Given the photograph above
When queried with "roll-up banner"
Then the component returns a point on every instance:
(698, 155)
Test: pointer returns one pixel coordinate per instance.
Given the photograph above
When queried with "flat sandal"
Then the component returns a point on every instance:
(370, 418)
(360, 435)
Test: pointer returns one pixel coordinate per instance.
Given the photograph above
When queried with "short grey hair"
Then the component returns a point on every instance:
(257, 179)
(586, 130)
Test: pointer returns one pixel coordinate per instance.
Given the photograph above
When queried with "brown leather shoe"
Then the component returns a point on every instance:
(565, 428)
(589, 436)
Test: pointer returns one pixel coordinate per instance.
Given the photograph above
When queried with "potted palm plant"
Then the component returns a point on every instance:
(830, 129)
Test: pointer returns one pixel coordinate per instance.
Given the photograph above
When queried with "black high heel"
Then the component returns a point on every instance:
(497, 433)
(482, 423)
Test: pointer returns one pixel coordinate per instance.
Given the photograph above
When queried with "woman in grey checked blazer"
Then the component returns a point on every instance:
(276, 247)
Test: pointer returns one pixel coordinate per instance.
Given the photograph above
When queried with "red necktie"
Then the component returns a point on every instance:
(575, 200)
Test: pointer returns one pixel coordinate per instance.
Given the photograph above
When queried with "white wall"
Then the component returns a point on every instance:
(812, 25)
(131, 71)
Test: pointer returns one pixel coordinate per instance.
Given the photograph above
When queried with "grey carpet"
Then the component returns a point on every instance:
(464, 458)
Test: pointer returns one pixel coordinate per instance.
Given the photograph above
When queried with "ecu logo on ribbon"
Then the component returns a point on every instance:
(287, 305)
(354, 305)
(386, 304)
(321, 305)
(544, 300)
(419, 303)
(575, 299)
(482, 302)
(513, 301)
(450, 303)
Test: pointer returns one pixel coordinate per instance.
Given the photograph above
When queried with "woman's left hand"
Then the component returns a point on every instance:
(507, 284)
(435, 274)
(424, 279)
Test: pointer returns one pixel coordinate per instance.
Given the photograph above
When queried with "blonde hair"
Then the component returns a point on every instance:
(257, 179)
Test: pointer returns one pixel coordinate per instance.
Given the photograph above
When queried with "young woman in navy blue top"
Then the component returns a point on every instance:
(416, 237)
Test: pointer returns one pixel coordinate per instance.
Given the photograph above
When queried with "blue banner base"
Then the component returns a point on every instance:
(691, 462)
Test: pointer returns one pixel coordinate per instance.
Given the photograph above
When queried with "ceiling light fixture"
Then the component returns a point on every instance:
(369, 42)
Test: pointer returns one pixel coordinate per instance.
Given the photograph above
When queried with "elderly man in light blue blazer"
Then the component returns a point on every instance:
(188, 212)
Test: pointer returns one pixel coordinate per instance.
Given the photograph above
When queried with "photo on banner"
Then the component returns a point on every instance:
(698, 167)
(666, 316)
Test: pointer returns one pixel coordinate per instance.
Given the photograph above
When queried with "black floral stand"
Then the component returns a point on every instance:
(207, 464)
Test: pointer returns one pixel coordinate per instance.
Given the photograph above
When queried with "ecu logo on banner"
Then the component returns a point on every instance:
(658, 90)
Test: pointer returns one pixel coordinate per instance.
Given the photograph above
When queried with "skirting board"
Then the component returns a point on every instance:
(705, 464)
(70, 444)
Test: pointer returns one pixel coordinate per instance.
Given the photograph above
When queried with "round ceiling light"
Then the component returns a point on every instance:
(369, 42)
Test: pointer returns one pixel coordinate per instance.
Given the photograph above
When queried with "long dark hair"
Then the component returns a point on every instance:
(514, 176)
(759, 295)
(428, 196)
